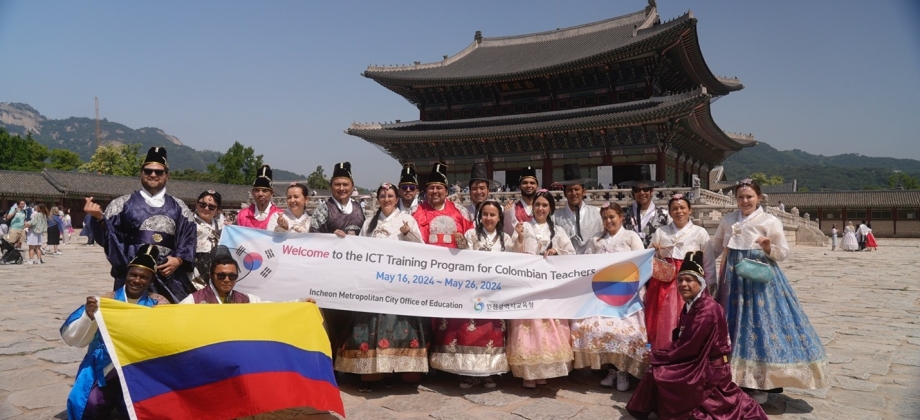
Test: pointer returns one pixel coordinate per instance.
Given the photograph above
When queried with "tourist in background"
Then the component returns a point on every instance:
(538, 349)
(475, 348)
(781, 206)
(17, 218)
(295, 218)
(208, 226)
(87, 231)
(642, 216)
(55, 227)
(37, 226)
(862, 233)
(870, 238)
(261, 211)
(663, 302)
(849, 238)
(834, 237)
(774, 344)
(619, 343)
(579, 220)
(68, 226)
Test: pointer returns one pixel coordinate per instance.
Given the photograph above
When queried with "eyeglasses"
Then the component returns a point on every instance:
(206, 206)
(408, 187)
(222, 276)
(157, 172)
(642, 189)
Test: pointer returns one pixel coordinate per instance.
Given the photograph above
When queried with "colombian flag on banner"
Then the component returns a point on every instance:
(219, 361)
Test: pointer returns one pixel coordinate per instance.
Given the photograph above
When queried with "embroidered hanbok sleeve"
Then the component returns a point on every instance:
(80, 332)
(320, 213)
(186, 237)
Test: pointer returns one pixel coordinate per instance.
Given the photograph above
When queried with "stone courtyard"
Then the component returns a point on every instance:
(865, 306)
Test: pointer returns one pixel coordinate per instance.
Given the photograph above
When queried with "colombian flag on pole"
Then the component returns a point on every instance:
(219, 361)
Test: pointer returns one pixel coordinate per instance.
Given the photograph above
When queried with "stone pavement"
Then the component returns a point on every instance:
(864, 305)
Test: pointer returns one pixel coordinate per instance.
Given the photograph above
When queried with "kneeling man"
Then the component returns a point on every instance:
(97, 388)
(693, 379)
(224, 274)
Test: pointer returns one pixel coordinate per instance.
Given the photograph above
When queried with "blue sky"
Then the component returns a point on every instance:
(827, 77)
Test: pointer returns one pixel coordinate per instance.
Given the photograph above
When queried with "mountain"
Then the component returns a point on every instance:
(79, 135)
(849, 171)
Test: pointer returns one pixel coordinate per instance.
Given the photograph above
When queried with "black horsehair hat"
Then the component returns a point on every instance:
(264, 178)
(480, 173)
(693, 265)
(146, 257)
(438, 174)
(408, 175)
(156, 155)
(645, 179)
(342, 170)
(528, 172)
(571, 175)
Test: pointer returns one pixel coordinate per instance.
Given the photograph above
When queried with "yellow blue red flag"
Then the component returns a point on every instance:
(219, 361)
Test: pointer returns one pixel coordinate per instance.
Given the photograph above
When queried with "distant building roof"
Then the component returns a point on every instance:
(26, 184)
(786, 187)
(876, 199)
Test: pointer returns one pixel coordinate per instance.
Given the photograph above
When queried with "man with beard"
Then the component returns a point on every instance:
(479, 185)
(579, 220)
(521, 210)
(440, 221)
(261, 212)
(642, 216)
(408, 189)
(149, 216)
(340, 214)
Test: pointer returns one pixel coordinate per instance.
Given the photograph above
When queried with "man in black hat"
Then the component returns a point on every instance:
(521, 210)
(440, 221)
(340, 214)
(258, 214)
(642, 216)
(408, 189)
(579, 220)
(149, 216)
(479, 185)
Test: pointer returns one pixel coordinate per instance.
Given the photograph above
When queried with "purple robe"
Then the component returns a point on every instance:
(691, 379)
(327, 218)
(130, 222)
(207, 296)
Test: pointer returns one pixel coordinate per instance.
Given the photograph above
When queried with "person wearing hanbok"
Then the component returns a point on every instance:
(870, 239)
(440, 221)
(379, 344)
(662, 300)
(223, 274)
(408, 189)
(96, 390)
(149, 216)
(774, 344)
(209, 227)
(692, 379)
(618, 342)
(849, 242)
(539, 349)
(260, 212)
(643, 216)
(340, 214)
(521, 210)
(579, 220)
(479, 185)
(295, 218)
(475, 348)
(834, 237)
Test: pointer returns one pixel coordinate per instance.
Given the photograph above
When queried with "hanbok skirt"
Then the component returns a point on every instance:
(539, 348)
(471, 347)
(383, 343)
(663, 305)
(773, 343)
(617, 341)
(849, 242)
(870, 241)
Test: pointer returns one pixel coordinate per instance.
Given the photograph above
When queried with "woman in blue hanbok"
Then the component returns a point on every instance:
(773, 343)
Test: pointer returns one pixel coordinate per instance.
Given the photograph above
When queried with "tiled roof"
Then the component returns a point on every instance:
(26, 184)
(786, 187)
(876, 199)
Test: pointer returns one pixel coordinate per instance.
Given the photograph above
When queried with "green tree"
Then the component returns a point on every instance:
(21, 154)
(762, 179)
(238, 166)
(317, 180)
(64, 160)
(190, 174)
(903, 181)
(115, 159)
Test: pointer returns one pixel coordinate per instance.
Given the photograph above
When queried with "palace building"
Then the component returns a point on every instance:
(611, 95)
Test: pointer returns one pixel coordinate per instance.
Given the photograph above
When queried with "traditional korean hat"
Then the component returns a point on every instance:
(528, 172)
(408, 175)
(263, 178)
(438, 174)
(156, 155)
(571, 175)
(645, 179)
(146, 257)
(342, 170)
(479, 173)
(693, 265)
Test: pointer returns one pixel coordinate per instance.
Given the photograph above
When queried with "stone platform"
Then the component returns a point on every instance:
(865, 306)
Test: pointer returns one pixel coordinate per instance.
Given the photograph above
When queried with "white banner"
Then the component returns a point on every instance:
(395, 277)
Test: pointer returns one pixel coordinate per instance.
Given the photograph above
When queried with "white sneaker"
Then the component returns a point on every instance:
(488, 382)
(622, 381)
(608, 381)
(470, 382)
(759, 396)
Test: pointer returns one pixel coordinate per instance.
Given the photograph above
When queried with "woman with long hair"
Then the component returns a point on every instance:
(207, 221)
(539, 349)
(38, 226)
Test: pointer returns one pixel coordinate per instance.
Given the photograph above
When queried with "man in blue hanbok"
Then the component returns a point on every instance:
(149, 216)
(97, 388)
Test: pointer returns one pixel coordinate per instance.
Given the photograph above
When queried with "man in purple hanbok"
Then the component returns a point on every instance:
(693, 379)
(149, 216)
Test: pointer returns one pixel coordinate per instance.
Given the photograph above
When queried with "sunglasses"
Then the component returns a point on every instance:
(408, 187)
(643, 189)
(157, 172)
(206, 206)
(222, 276)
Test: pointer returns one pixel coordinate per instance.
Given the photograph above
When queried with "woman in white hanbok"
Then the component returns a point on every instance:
(849, 242)
(295, 218)
(618, 342)
(538, 349)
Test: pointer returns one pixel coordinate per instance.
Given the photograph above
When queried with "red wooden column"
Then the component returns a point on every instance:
(661, 169)
(547, 172)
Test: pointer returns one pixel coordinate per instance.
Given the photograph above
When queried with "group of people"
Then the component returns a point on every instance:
(692, 345)
(40, 228)
(855, 238)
